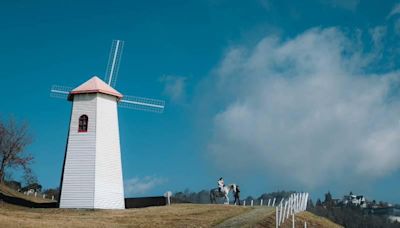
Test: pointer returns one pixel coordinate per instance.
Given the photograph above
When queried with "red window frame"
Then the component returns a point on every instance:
(83, 123)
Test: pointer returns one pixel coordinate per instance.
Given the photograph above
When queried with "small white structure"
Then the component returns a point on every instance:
(168, 195)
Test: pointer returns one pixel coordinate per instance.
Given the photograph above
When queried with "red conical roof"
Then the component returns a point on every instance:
(95, 85)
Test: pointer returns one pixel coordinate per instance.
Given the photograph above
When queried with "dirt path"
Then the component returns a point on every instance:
(249, 219)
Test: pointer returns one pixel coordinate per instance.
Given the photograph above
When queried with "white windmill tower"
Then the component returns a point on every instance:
(92, 171)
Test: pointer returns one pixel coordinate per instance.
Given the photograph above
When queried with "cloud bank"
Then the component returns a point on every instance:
(138, 185)
(307, 107)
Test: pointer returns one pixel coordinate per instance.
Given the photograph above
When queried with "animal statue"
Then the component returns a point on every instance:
(216, 193)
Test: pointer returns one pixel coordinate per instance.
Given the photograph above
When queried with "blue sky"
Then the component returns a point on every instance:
(269, 94)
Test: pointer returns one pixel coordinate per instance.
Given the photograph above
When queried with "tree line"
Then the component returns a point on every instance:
(203, 196)
(349, 216)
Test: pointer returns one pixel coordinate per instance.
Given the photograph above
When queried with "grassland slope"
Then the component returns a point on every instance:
(178, 215)
(12, 193)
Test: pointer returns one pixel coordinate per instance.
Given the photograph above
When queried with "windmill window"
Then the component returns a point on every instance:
(83, 123)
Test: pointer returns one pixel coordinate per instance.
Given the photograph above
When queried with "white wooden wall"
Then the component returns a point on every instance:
(109, 190)
(93, 172)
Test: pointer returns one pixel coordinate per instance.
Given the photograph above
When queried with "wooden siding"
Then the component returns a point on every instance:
(79, 170)
(92, 172)
(109, 191)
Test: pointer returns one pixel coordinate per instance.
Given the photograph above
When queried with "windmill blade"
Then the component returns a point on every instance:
(60, 91)
(113, 62)
(143, 104)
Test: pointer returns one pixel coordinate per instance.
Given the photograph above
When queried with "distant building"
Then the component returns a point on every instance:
(354, 200)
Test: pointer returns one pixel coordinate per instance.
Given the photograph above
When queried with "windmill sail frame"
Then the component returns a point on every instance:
(142, 104)
(61, 92)
(114, 61)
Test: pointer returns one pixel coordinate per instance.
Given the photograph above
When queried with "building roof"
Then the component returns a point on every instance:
(95, 85)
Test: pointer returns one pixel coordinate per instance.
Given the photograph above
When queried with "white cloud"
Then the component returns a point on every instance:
(307, 108)
(175, 87)
(138, 185)
(395, 11)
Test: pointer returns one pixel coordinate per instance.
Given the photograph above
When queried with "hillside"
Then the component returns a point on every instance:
(178, 215)
(311, 219)
(12, 193)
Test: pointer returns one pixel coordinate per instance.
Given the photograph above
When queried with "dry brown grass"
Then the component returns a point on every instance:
(311, 219)
(251, 219)
(179, 215)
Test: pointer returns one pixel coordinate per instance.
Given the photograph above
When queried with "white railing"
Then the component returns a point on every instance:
(297, 202)
(260, 203)
(37, 194)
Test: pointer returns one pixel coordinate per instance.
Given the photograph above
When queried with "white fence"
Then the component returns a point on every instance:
(37, 194)
(297, 202)
(260, 203)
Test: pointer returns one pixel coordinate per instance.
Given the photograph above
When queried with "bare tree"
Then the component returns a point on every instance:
(29, 177)
(14, 138)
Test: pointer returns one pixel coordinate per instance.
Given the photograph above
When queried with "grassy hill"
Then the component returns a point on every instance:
(12, 193)
(311, 219)
(176, 215)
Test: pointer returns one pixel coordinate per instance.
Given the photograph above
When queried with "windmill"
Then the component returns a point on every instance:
(92, 170)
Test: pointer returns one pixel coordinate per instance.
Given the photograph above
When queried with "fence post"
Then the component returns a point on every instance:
(261, 202)
(44, 196)
(52, 197)
(301, 202)
(273, 202)
(244, 203)
(251, 202)
(288, 209)
(305, 224)
(276, 217)
(280, 214)
(299, 207)
(35, 194)
(305, 206)
(167, 196)
(292, 205)
(284, 212)
(293, 220)
(269, 201)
